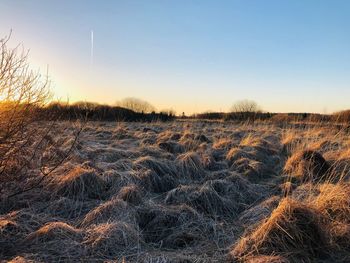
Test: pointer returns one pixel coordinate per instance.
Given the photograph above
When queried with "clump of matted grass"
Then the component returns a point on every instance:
(154, 183)
(254, 159)
(304, 191)
(26, 219)
(56, 239)
(216, 198)
(340, 164)
(259, 212)
(160, 167)
(21, 259)
(340, 237)
(224, 144)
(326, 145)
(80, 183)
(204, 199)
(263, 145)
(252, 169)
(190, 166)
(191, 141)
(211, 164)
(121, 133)
(333, 202)
(266, 259)
(68, 208)
(293, 230)
(54, 230)
(112, 240)
(153, 151)
(307, 165)
(291, 140)
(10, 234)
(237, 153)
(130, 194)
(168, 135)
(111, 155)
(113, 210)
(173, 227)
(256, 141)
(171, 147)
(115, 179)
(238, 189)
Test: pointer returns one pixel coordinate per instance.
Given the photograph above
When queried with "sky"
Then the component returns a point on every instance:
(189, 55)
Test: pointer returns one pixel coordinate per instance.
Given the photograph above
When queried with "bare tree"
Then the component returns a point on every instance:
(244, 110)
(245, 106)
(136, 105)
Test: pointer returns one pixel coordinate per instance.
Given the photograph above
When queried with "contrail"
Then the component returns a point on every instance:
(92, 49)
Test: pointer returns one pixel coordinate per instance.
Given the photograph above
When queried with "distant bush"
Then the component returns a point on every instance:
(246, 110)
(243, 106)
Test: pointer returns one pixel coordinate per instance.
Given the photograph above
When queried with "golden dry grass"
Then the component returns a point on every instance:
(292, 229)
(188, 192)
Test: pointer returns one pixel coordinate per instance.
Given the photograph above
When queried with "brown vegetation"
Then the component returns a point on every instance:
(187, 192)
(307, 165)
(292, 229)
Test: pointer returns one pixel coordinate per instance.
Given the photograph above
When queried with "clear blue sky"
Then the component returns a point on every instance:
(190, 55)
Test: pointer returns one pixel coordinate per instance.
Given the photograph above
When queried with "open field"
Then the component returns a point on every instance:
(187, 192)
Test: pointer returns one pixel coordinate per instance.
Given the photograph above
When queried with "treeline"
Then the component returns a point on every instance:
(338, 117)
(97, 112)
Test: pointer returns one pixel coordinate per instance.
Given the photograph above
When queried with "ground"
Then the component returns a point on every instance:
(187, 191)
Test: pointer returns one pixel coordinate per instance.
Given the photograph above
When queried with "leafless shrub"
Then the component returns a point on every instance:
(23, 137)
(22, 92)
(245, 106)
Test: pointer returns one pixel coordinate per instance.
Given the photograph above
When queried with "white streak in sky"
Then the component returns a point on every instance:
(92, 49)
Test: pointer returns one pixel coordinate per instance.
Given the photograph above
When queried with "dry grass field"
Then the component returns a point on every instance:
(187, 192)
